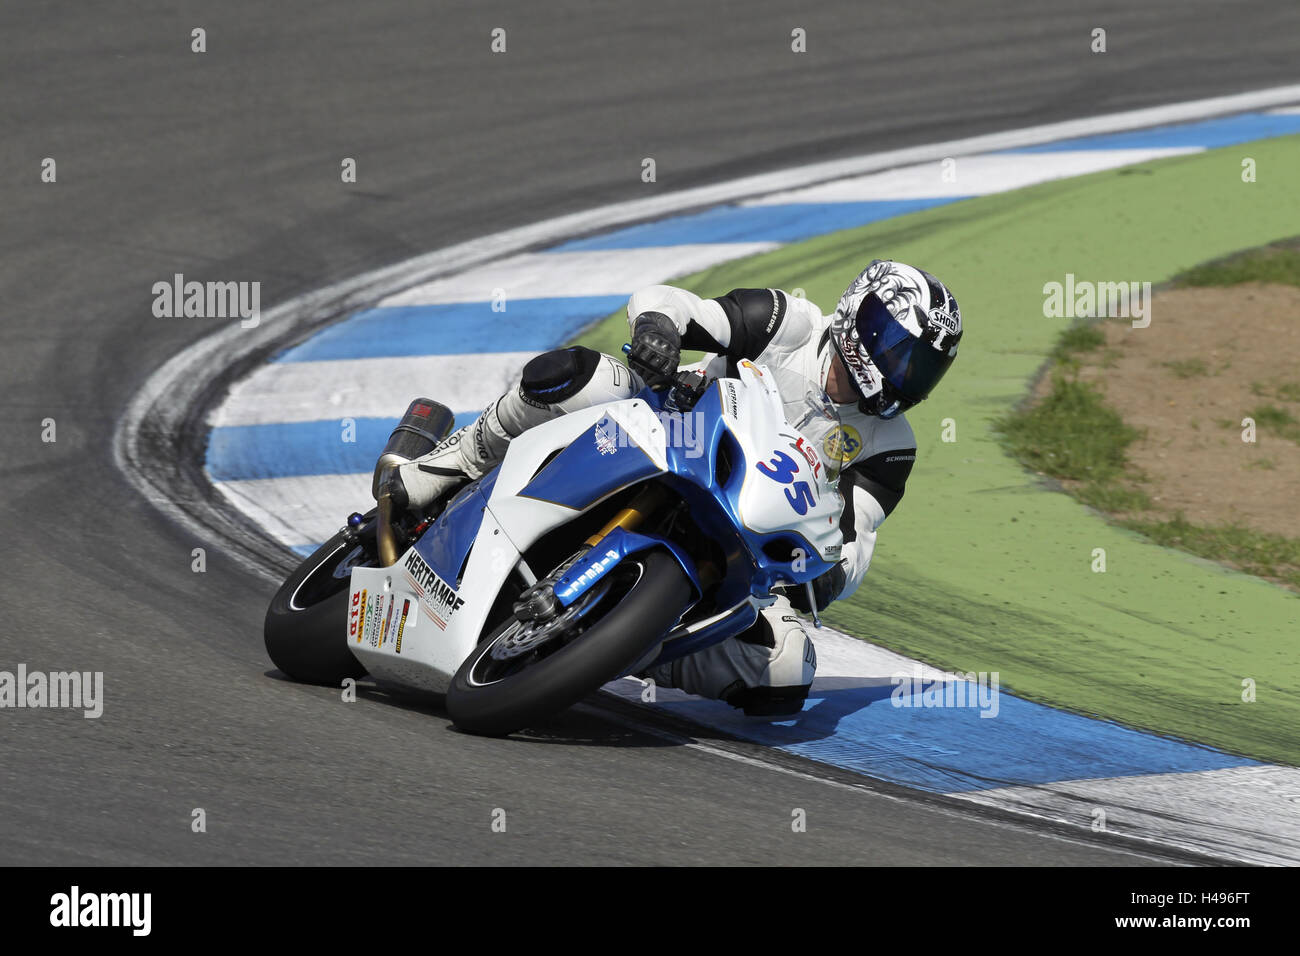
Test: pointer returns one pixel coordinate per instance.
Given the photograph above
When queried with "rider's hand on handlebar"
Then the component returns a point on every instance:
(656, 349)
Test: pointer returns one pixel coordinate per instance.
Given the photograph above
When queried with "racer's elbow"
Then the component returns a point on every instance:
(857, 559)
(675, 303)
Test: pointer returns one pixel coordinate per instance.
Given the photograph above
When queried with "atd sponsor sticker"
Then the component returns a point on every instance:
(842, 444)
(357, 615)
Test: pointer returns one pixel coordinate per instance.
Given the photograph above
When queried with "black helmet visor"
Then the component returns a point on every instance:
(910, 365)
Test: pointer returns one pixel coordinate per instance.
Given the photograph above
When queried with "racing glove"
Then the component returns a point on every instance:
(826, 589)
(656, 349)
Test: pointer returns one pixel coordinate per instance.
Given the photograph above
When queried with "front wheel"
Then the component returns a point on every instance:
(521, 674)
(306, 624)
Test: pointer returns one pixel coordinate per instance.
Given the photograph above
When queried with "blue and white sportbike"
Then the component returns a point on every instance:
(608, 541)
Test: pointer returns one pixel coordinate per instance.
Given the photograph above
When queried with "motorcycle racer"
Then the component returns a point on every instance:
(892, 336)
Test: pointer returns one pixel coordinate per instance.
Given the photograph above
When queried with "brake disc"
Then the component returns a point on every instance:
(525, 636)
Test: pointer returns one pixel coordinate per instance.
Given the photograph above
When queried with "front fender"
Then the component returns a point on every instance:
(609, 552)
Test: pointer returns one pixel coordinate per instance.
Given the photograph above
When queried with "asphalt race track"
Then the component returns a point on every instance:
(225, 166)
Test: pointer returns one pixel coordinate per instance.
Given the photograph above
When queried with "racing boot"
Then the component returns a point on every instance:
(766, 671)
(421, 484)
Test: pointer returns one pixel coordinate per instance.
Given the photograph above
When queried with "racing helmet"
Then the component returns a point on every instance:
(896, 329)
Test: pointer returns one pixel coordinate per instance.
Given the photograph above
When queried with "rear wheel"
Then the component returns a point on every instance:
(522, 672)
(307, 620)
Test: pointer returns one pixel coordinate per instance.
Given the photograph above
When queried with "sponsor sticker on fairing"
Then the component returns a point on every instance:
(606, 437)
(438, 597)
(360, 604)
(803, 447)
(401, 625)
(383, 635)
(732, 402)
(376, 622)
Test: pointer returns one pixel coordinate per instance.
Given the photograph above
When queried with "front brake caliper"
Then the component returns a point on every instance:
(539, 602)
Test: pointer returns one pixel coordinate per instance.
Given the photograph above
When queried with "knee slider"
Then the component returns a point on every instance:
(556, 375)
(788, 676)
(767, 701)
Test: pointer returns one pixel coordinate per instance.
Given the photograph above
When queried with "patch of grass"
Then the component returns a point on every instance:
(1077, 340)
(1272, 416)
(1114, 497)
(1288, 391)
(1285, 391)
(1070, 434)
(1276, 421)
(1187, 368)
(1279, 264)
(1268, 555)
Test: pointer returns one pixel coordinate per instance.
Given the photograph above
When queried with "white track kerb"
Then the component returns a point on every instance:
(279, 453)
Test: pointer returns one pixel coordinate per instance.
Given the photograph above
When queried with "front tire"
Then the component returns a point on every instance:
(307, 620)
(486, 698)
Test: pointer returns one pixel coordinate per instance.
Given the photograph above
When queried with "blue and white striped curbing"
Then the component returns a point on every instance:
(277, 452)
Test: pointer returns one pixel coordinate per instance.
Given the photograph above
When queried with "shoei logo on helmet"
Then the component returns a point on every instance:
(944, 326)
(949, 323)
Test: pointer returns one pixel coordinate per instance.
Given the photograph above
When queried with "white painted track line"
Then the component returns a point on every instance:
(366, 388)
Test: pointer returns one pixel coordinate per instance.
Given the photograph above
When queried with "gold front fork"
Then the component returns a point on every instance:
(631, 517)
(642, 506)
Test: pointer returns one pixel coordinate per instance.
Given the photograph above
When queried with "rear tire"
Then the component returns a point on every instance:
(306, 624)
(605, 650)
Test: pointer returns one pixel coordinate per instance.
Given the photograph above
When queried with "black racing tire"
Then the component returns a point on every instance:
(607, 649)
(306, 623)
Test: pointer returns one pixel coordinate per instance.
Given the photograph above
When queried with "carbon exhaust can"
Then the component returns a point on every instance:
(425, 423)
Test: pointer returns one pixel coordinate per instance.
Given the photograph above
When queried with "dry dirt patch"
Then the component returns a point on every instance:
(1210, 358)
